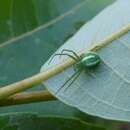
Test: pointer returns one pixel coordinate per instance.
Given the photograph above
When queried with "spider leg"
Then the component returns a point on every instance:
(65, 54)
(74, 53)
(78, 74)
(69, 79)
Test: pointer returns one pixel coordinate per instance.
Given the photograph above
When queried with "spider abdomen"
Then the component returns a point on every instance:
(90, 60)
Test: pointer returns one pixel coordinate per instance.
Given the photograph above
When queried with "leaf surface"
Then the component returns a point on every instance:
(105, 90)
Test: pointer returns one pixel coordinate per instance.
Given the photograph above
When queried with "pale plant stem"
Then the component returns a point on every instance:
(38, 78)
(31, 81)
(27, 97)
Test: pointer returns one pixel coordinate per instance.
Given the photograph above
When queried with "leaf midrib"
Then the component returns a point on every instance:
(46, 25)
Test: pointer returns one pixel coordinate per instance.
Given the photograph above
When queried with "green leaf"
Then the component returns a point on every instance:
(105, 90)
(18, 17)
(23, 56)
(32, 122)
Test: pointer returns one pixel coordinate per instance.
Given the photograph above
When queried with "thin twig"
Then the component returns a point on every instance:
(34, 80)
(38, 78)
(27, 97)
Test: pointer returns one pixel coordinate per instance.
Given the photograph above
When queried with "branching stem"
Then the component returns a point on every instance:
(38, 78)
(27, 97)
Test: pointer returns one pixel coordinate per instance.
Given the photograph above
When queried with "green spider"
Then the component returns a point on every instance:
(84, 62)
